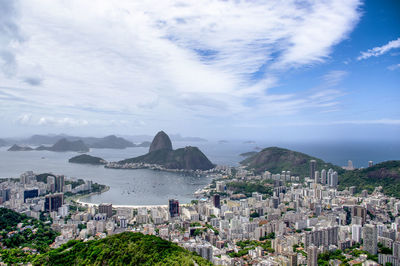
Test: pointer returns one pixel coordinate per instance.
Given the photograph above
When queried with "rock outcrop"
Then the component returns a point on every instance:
(160, 142)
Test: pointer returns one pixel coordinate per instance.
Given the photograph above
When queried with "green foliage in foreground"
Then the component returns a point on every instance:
(385, 174)
(122, 249)
(33, 233)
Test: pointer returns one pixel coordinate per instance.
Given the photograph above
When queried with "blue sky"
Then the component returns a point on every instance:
(298, 70)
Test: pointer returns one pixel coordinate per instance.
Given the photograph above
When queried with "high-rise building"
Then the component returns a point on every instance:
(220, 185)
(396, 249)
(106, 208)
(370, 238)
(313, 168)
(217, 201)
(27, 177)
(63, 210)
(293, 259)
(59, 183)
(333, 178)
(174, 208)
(356, 233)
(316, 176)
(323, 176)
(275, 202)
(5, 194)
(359, 211)
(53, 202)
(312, 256)
(322, 237)
(31, 193)
(370, 163)
(350, 165)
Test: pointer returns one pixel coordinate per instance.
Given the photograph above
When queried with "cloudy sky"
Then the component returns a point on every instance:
(215, 69)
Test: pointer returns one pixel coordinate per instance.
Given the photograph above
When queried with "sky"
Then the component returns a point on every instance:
(277, 70)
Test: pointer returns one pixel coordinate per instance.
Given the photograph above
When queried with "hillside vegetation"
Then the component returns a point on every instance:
(122, 249)
(276, 160)
(385, 174)
(18, 232)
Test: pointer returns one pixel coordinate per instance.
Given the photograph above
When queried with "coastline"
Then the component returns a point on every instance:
(90, 204)
(78, 198)
(156, 167)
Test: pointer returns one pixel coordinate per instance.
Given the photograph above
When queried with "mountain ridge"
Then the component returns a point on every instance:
(276, 160)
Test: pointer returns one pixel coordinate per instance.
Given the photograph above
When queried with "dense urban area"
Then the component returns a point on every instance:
(240, 218)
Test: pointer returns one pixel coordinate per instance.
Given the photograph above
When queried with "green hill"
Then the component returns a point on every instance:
(122, 249)
(385, 174)
(87, 159)
(276, 160)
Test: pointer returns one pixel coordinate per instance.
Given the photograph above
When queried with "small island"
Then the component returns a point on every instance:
(16, 147)
(87, 159)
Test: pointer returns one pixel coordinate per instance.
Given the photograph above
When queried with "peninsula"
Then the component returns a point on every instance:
(161, 155)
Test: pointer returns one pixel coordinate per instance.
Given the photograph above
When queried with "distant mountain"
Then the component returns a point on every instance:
(121, 249)
(385, 174)
(66, 145)
(111, 142)
(16, 147)
(276, 160)
(161, 142)
(161, 153)
(108, 142)
(87, 159)
(43, 139)
(178, 137)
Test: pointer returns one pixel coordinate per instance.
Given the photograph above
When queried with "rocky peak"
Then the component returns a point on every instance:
(161, 141)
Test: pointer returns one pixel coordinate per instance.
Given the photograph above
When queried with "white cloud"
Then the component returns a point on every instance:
(394, 67)
(65, 121)
(382, 121)
(168, 60)
(380, 50)
(24, 119)
(334, 77)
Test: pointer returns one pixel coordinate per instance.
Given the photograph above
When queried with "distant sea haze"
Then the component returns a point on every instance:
(147, 187)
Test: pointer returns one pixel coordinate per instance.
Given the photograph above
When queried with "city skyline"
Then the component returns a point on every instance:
(292, 71)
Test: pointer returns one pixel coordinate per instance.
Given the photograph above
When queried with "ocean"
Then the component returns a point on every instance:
(148, 187)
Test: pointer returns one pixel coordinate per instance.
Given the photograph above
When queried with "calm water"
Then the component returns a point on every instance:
(146, 187)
